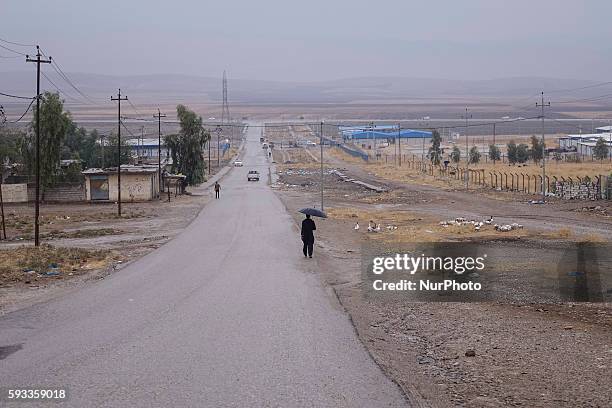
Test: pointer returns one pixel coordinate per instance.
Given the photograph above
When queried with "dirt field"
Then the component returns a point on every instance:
(86, 241)
(523, 347)
(84, 231)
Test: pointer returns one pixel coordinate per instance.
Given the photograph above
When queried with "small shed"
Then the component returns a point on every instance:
(138, 183)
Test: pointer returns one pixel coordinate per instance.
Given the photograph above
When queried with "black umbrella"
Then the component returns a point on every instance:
(313, 212)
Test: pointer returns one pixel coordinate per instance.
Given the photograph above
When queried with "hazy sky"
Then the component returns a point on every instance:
(318, 39)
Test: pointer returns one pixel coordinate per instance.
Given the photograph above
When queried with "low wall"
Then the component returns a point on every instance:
(578, 191)
(61, 193)
(15, 193)
(354, 152)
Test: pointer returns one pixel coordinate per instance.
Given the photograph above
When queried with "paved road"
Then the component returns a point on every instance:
(228, 314)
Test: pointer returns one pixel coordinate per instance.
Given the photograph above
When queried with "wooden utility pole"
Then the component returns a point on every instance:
(467, 149)
(219, 130)
(321, 143)
(119, 99)
(159, 116)
(2, 210)
(38, 61)
(399, 143)
(494, 142)
(543, 105)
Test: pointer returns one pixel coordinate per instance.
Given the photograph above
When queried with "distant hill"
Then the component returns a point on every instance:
(174, 88)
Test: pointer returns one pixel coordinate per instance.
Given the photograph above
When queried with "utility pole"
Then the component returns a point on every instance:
(209, 140)
(467, 149)
(396, 143)
(494, 142)
(218, 131)
(543, 105)
(119, 99)
(399, 144)
(38, 61)
(2, 210)
(423, 146)
(159, 172)
(321, 143)
(2, 122)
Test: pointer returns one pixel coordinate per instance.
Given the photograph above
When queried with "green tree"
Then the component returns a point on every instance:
(494, 153)
(601, 150)
(54, 124)
(511, 152)
(187, 147)
(73, 143)
(435, 153)
(474, 155)
(537, 149)
(455, 154)
(522, 153)
(10, 140)
(110, 151)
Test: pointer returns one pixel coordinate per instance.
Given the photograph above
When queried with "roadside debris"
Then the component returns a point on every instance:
(359, 182)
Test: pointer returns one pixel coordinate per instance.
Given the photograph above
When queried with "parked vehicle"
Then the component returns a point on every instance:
(253, 175)
(238, 163)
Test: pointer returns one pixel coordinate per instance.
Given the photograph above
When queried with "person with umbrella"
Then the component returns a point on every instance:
(308, 226)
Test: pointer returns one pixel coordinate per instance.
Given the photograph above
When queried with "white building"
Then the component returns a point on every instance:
(585, 143)
(147, 148)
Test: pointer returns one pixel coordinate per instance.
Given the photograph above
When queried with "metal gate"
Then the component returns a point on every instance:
(99, 187)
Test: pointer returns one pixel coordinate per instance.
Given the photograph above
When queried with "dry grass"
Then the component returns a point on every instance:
(295, 158)
(592, 238)
(342, 155)
(412, 228)
(567, 234)
(561, 233)
(14, 263)
(82, 233)
(553, 168)
(390, 171)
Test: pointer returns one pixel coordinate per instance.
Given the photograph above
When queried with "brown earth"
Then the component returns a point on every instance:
(521, 348)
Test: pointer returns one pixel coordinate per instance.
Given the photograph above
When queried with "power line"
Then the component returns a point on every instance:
(582, 87)
(61, 73)
(15, 96)
(9, 57)
(140, 119)
(24, 113)
(65, 77)
(58, 88)
(128, 130)
(590, 99)
(133, 107)
(18, 44)
(12, 50)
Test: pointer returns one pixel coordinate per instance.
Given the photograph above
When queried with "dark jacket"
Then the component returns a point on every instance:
(308, 226)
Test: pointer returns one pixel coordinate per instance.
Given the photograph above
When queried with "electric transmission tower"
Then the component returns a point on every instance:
(225, 115)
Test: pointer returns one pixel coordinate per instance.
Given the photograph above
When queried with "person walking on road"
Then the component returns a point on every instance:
(308, 226)
(217, 189)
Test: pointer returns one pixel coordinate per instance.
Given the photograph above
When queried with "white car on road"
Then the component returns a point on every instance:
(238, 163)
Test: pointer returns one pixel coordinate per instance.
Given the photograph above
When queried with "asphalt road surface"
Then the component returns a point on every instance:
(228, 314)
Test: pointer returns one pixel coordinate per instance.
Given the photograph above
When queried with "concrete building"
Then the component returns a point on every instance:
(147, 148)
(604, 129)
(138, 183)
(584, 144)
